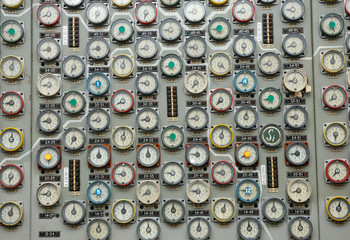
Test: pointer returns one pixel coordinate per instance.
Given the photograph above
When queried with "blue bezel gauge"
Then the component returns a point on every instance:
(93, 193)
(248, 190)
(245, 81)
(98, 83)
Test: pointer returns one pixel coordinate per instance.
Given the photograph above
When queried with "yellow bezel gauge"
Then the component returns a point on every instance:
(11, 67)
(122, 3)
(333, 61)
(122, 65)
(123, 137)
(123, 211)
(11, 213)
(218, 2)
(11, 139)
(220, 63)
(338, 208)
(12, 3)
(223, 209)
(336, 134)
(221, 136)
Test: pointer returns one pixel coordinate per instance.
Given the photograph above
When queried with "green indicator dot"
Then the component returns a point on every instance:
(332, 24)
(219, 28)
(270, 98)
(171, 64)
(12, 31)
(73, 102)
(121, 29)
(172, 136)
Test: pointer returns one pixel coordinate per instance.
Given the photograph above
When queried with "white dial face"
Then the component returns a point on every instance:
(74, 139)
(243, 10)
(296, 117)
(98, 83)
(299, 190)
(99, 156)
(73, 102)
(195, 47)
(248, 190)
(295, 80)
(247, 154)
(197, 118)
(297, 153)
(123, 211)
(221, 136)
(249, 228)
(197, 154)
(98, 192)
(73, 67)
(148, 229)
(97, 13)
(122, 66)
(220, 64)
(332, 24)
(49, 121)
(198, 191)
(97, 48)
(123, 174)
(99, 229)
(223, 172)
(338, 208)
(146, 47)
(11, 139)
(333, 61)
(11, 67)
(196, 82)
(170, 29)
(293, 10)
(294, 44)
(48, 85)
(122, 100)
(245, 81)
(194, 11)
(48, 157)
(48, 194)
(221, 99)
(73, 212)
(171, 65)
(11, 31)
(148, 192)
(172, 173)
(219, 28)
(146, 12)
(269, 63)
(10, 213)
(12, 3)
(172, 137)
(334, 96)
(123, 137)
(336, 134)
(244, 46)
(73, 3)
(48, 14)
(199, 228)
(147, 119)
(48, 49)
(337, 171)
(98, 119)
(223, 209)
(246, 117)
(11, 103)
(147, 83)
(148, 155)
(300, 228)
(122, 30)
(173, 211)
(10, 176)
(270, 99)
(274, 210)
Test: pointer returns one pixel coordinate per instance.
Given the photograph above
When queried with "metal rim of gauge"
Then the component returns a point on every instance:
(146, 48)
(16, 63)
(329, 28)
(80, 66)
(147, 10)
(197, 12)
(98, 192)
(150, 120)
(220, 64)
(199, 220)
(223, 172)
(242, 121)
(304, 236)
(123, 173)
(102, 116)
(102, 82)
(221, 99)
(336, 134)
(11, 31)
(243, 10)
(101, 13)
(101, 47)
(51, 187)
(172, 65)
(248, 190)
(48, 14)
(247, 83)
(337, 170)
(293, 13)
(172, 173)
(100, 159)
(273, 65)
(152, 199)
(246, 42)
(19, 210)
(201, 198)
(150, 158)
(335, 97)
(300, 157)
(105, 229)
(196, 85)
(173, 32)
(12, 3)
(198, 49)
(48, 157)
(51, 51)
(219, 31)
(250, 221)
(169, 3)
(274, 94)
(299, 49)
(171, 215)
(149, 85)
(274, 210)
(124, 32)
(227, 143)
(199, 117)
(218, 2)
(267, 1)
(74, 138)
(12, 139)
(123, 211)
(298, 191)
(121, 3)
(52, 81)
(271, 135)
(338, 208)
(123, 137)
(223, 209)
(176, 133)
(347, 7)
(347, 42)
(303, 116)
(295, 80)
(245, 159)
(154, 227)
(73, 3)
(333, 61)
(17, 175)
(77, 100)
(51, 124)
(122, 101)
(197, 160)
(78, 215)
(15, 103)
(122, 66)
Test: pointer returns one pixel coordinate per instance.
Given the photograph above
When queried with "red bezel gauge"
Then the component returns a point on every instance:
(44, 10)
(221, 99)
(123, 173)
(218, 169)
(347, 7)
(122, 101)
(332, 171)
(143, 10)
(16, 172)
(334, 96)
(11, 103)
(239, 10)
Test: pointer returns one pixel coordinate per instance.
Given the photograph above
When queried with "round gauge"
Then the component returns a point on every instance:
(172, 137)
(269, 63)
(148, 155)
(332, 25)
(98, 155)
(48, 194)
(147, 83)
(11, 176)
(173, 211)
(48, 85)
(97, 13)
(271, 135)
(122, 65)
(172, 173)
(248, 191)
(11, 139)
(48, 157)
(222, 172)
(148, 229)
(197, 154)
(48, 121)
(218, 2)
(11, 213)
(295, 80)
(244, 46)
(299, 190)
(123, 174)
(221, 136)
(194, 11)
(49, 49)
(98, 192)
(223, 209)
(148, 192)
(249, 229)
(243, 10)
(11, 31)
(247, 154)
(198, 228)
(347, 7)
(146, 48)
(74, 139)
(221, 99)
(297, 153)
(73, 3)
(267, 1)
(196, 82)
(147, 119)
(97, 48)
(99, 229)
(270, 99)
(11, 67)
(334, 96)
(245, 81)
(98, 83)
(198, 191)
(293, 10)
(122, 3)
(170, 3)
(122, 30)
(219, 28)
(338, 208)
(337, 171)
(146, 12)
(123, 211)
(300, 228)
(11, 103)
(171, 65)
(73, 102)
(274, 210)
(294, 45)
(220, 63)
(170, 29)
(48, 14)
(73, 212)
(196, 118)
(73, 66)
(98, 120)
(347, 41)
(296, 117)
(333, 61)
(122, 101)
(12, 3)
(123, 137)
(336, 134)
(246, 117)
(195, 47)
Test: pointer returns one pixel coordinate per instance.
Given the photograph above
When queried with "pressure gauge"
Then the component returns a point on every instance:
(336, 134)
(48, 194)
(243, 10)
(172, 137)
(173, 211)
(333, 61)
(123, 211)
(11, 67)
(222, 172)
(294, 45)
(334, 96)
(98, 155)
(11, 213)
(97, 13)
(267, 1)
(338, 208)
(148, 229)
(300, 228)
(332, 25)
(223, 209)
(73, 212)
(244, 46)
(11, 176)
(98, 192)
(73, 102)
(48, 157)
(221, 99)
(221, 136)
(74, 139)
(269, 63)
(197, 118)
(347, 7)
(196, 82)
(247, 154)
(195, 47)
(49, 121)
(197, 154)
(11, 103)
(347, 43)
(73, 3)
(274, 210)
(122, 30)
(48, 14)
(122, 65)
(147, 83)
(293, 10)
(246, 117)
(170, 3)
(170, 29)
(48, 85)
(122, 3)
(296, 117)
(148, 155)
(295, 80)
(219, 28)
(245, 81)
(98, 120)
(248, 191)
(97, 48)
(172, 173)
(218, 2)
(146, 48)
(122, 101)
(270, 99)
(171, 65)
(12, 31)
(297, 153)
(98, 83)
(249, 229)
(198, 191)
(198, 228)
(99, 229)
(123, 137)
(48, 49)
(220, 63)
(271, 135)
(299, 190)
(194, 11)
(11, 139)
(147, 119)
(337, 171)
(73, 66)
(123, 174)
(148, 192)
(146, 12)
(12, 3)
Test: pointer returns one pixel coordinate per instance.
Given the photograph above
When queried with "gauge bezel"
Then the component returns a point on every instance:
(104, 128)
(306, 220)
(201, 145)
(195, 38)
(20, 134)
(19, 60)
(122, 5)
(218, 90)
(19, 95)
(140, 163)
(215, 201)
(295, 180)
(129, 93)
(39, 9)
(58, 80)
(249, 219)
(227, 24)
(113, 26)
(250, 54)
(153, 55)
(146, 2)
(225, 126)
(94, 22)
(169, 201)
(81, 60)
(193, 221)
(82, 143)
(286, 117)
(323, 18)
(292, 19)
(58, 46)
(129, 59)
(188, 89)
(244, 20)
(179, 72)
(179, 129)
(91, 148)
(115, 131)
(326, 102)
(342, 199)
(216, 55)
(345, 163)
(162, 25)
(104, 200)
(182, 175)
(66, 220)
(244, 72)
(303, 145)
(284, 47)
(154, 111)
(139, 226)
(99, 220)
(252, 145)
(122, 164)
(20, 24)
(59, 155)
(328, 52)
(274, 90)
(225, 163)
(20, 2)
(255, 184)
(281, 218)
(325, 133)
(88, 50)
(88, 81)
(77, 93)
(275, 72)
(19, 170)
(20, 209)
(53, 185)
(128, 202)
(277, 143)
(154, 91)
(198, 109)
(154, 183)
(253, 125)
(195, 181)
(53, 129)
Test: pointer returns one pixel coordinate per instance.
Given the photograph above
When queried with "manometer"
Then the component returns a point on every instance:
(297, 153)
(300, 228)
(122, 65)
(294, 44)
(194, 11)
(223, 209)
(48, 85)
(98, 120)
(123, 211)
(219, 28)
(198, 228)
(146, 47)
(122, 3)
(11, 139)
(73, 66)
(171, 65)
(123, 137)
(244, 46)
(98, 155)
(11, 103)
(347, 42)
(73, 102)
(73, 3)
(248, 190)
(274, 210)
(11, 176)
(170, 3)
(148, 229)
(122, 101)
(197, 154)
(197, 118)
(147, 83)
(73, 212)
(74, 138)
(11, 213)
(97, 13)
(123, 174)
(97, 48)
(296, 117)
(98, 83)
(98, 192)
(247, 154)
(334, 96)
(221, 99)
(218, 2)
(332, 25)
(249, 228)
(338, 208)
(48, 157)
(172, 173)
(12, 3)
(146, 12)
(148, 155)
(195, 47)
(12, 31)
(246, 117)
(347, 7)
(221, 136)
(196, 82)
(271, 135)
(299, 190)
(269, 63)
(48, 14)
(243, 10)
(147, 119)
(245, 81)
(11, 67)
(270, 99)
(99, 229)
(295, 80)
(148, 192)
(267, 1)
(172, 137)
(170, 29)
(336, 134)
(198, 191)
(122, 30)
(173, 211)
(222, 172)
(48, 194)
(48, 49)
(293, 10)
(337, 171)
(333, 61)
(220, 63)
